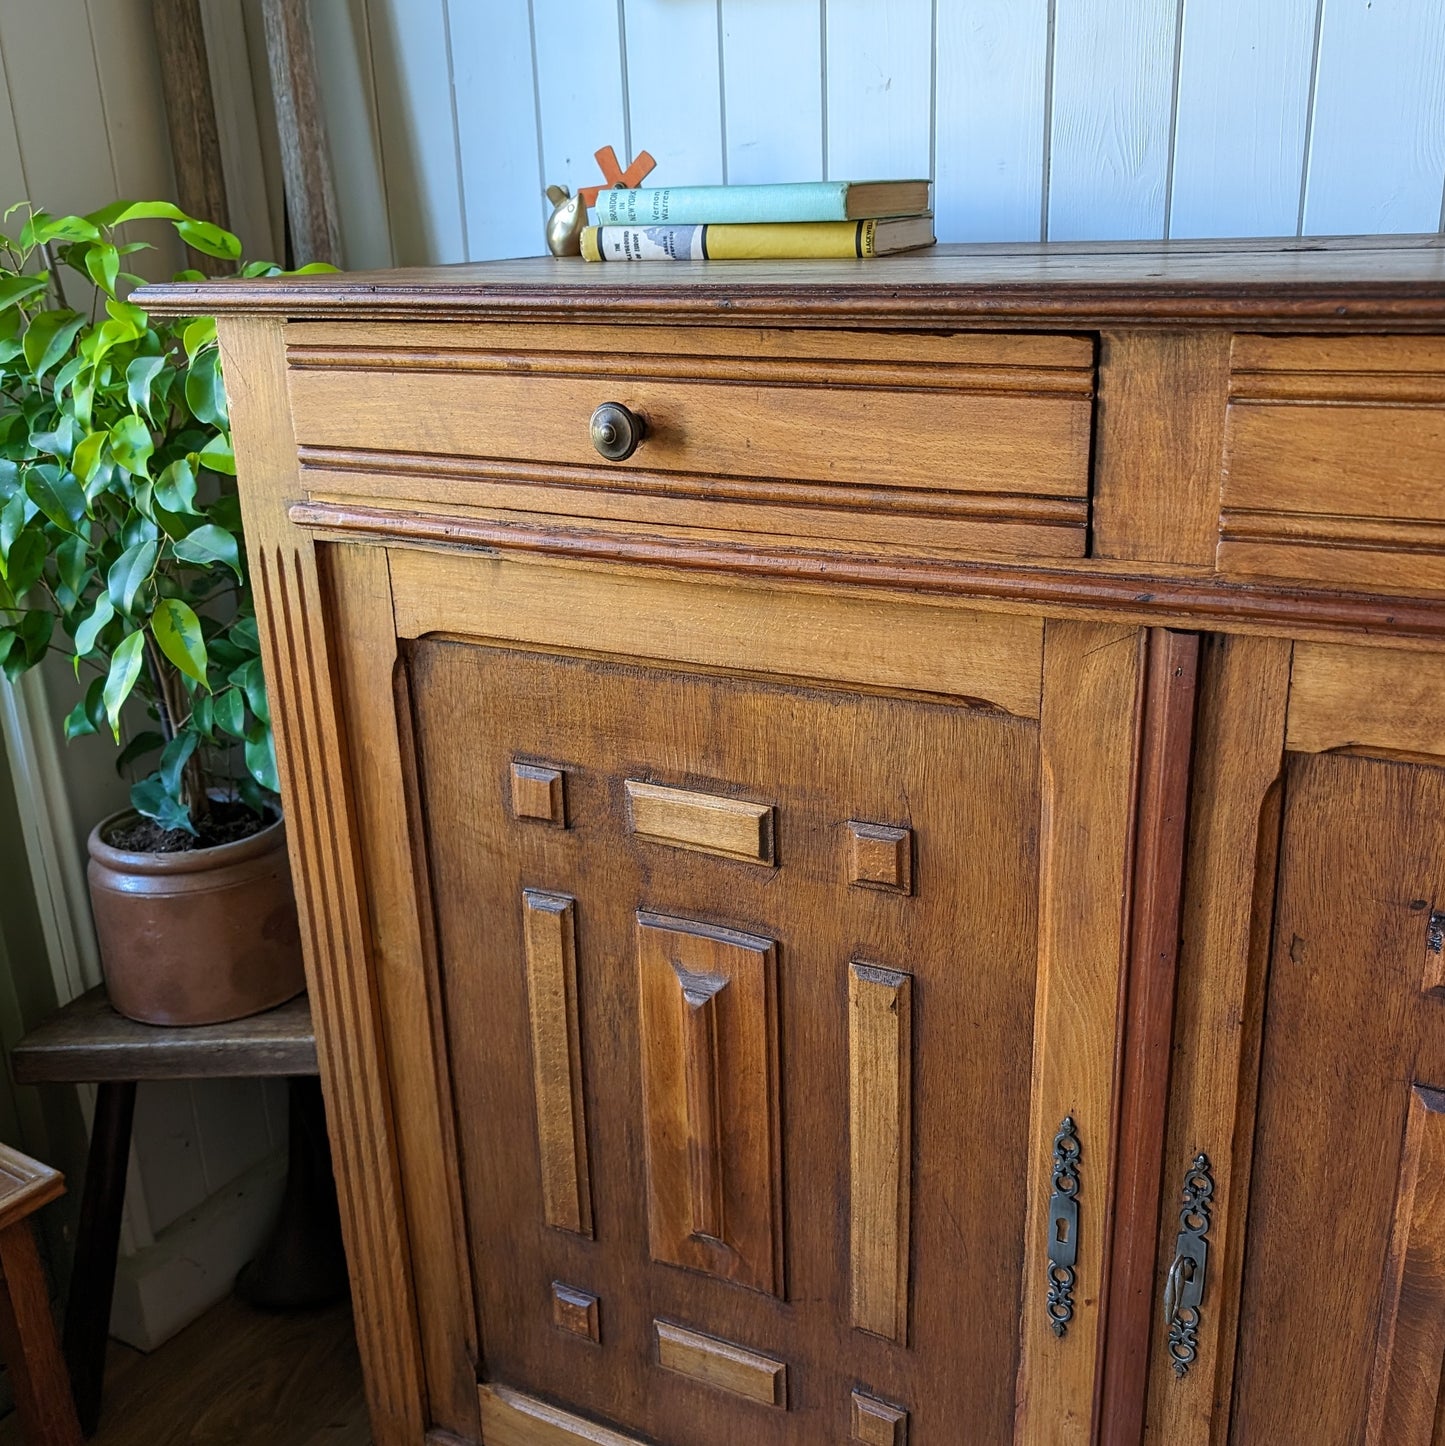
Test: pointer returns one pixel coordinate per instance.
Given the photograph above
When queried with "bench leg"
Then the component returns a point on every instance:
(92, 1282)
(27, 1342)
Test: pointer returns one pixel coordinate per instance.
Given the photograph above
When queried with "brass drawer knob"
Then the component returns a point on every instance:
(616, 431)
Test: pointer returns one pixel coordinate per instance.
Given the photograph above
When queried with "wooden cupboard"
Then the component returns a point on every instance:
(871, 837)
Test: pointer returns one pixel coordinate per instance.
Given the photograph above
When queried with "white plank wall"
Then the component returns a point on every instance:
(1062, 119)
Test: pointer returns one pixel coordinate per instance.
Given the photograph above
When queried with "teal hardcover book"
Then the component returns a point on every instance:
(742, 205)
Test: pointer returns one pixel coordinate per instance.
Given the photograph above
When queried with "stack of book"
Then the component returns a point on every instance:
(760, 223)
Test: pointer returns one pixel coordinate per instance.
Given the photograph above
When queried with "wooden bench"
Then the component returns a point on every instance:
(88, 1042)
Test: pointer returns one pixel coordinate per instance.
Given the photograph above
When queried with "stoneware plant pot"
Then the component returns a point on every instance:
(196, 937)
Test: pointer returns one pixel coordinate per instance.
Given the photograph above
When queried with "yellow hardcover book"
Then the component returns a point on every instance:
(782, 241)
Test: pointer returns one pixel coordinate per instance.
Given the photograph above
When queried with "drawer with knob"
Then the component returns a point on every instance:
(964, 444)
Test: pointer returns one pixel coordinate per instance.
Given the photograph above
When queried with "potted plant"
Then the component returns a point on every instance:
(121, 545)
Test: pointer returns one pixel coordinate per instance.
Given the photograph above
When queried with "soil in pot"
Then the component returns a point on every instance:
(195, 935)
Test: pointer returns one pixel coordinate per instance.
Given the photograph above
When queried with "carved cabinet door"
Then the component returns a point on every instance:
(1311, 1060)
(779, 951)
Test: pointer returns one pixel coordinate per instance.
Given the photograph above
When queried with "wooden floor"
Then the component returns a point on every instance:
(237, 1377)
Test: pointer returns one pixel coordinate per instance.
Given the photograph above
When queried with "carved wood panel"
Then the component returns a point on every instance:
(804, 1103)
(1344, 1282)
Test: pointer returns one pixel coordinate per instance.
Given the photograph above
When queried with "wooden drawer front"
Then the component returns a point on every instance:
(1335, 461)
(969, 443)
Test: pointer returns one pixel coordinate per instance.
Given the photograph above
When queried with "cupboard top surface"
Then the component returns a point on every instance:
(1299, 282)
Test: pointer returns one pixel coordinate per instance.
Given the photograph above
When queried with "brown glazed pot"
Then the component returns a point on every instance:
(197, 937)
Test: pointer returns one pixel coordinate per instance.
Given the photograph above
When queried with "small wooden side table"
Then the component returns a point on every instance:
(27, 1329)
(88, 1042)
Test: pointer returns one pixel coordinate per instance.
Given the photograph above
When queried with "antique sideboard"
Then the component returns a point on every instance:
(871, 836)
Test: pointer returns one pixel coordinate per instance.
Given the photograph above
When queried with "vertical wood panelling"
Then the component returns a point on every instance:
(1112, 110)
(411, 61)
(50, 56)
(1243, 105)
(879, 89)
(12, 168)
(342, 33)
(130, 90)
(1098, 121)
(992, 60)
(673, 90)
(500, 181)
(1377, 151)
(772, 90)
(579, 88)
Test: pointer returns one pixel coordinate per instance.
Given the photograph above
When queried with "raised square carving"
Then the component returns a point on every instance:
(710, 1099)
(876, 1423)
(880, 856)
(575, 1311)
(539, 792)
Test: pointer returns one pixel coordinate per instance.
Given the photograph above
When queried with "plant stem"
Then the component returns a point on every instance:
(171, 707)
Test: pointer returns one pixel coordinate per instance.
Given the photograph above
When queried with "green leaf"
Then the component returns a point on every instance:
(145, 742)
(209, 239)
(77, 723)
(205, 394)
(16, 289)
(25, 562)
(128, 572)
(57, 494)
(250, 679)
(14, 516)
(86, 457)
(149, 798)
(209, 545)
(32, 638)
(60, 440)
(125, 666)
(128, 314)
(173, 761)
(140, 376)
(261, 758)
(178, 630)
(230, 712)
(102, 262)
(176, 488)
(119, 212)
(257, 799)
(244, 634)
(48, 338)
(71, 564)
(87, 633)
(131, 444)
(217, 454)
(199, 333)
(43, 227)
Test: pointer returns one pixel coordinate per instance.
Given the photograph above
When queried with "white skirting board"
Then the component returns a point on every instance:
(193, 1263)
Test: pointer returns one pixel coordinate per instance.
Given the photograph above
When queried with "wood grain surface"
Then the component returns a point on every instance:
(86, 1040)
(1227, 915)
(675, 1072)
(1089, 742)
(1360, 860)
(323, 832)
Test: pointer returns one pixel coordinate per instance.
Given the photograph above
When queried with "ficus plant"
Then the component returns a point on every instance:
(120, 530)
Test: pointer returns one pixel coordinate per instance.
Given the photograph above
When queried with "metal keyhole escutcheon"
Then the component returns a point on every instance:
(1063, 1226)
(1184, 1286)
